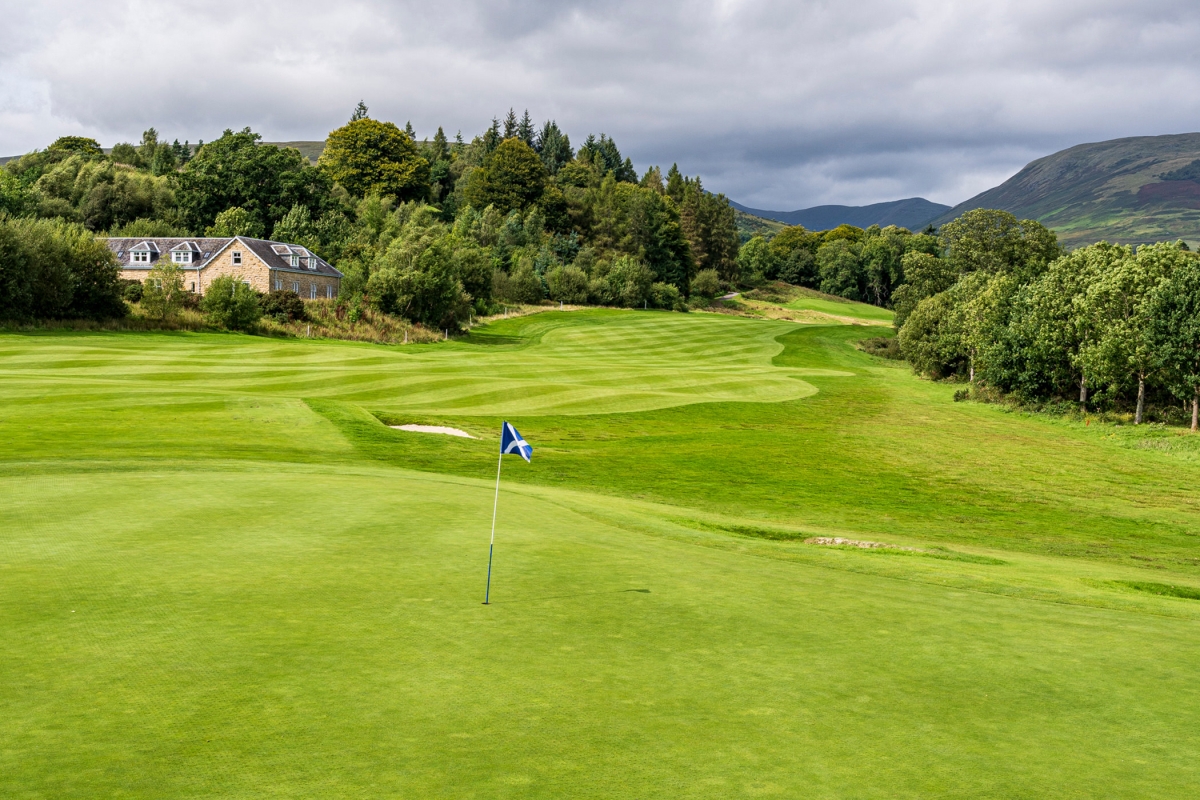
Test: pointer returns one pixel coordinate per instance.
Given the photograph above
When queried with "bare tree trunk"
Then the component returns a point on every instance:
(1137, 418)
(1196, 411)
(1083, 395)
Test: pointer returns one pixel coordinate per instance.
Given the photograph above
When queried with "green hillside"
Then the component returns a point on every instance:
(310, 150)
(750, 226)
(1120, 191)
(223, 575)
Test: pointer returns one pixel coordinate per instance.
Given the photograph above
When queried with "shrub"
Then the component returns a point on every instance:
(568, 285)
(231, 304)
(162, 294)
(283, 306)
(526, 285)
(630, 282)
(882, 346)
(428, 291)
(133, 290)
(706, 284)
(666, 295)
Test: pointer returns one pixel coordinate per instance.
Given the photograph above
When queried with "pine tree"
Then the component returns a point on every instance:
(492, 137)
(360, 112)
(510, 125)
(675, 184)
(553, 146)
(441, 152)
(408, 129)
(525, 129)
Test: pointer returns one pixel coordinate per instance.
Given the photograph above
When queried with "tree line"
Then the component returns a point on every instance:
(434, 230)
(1105, 326)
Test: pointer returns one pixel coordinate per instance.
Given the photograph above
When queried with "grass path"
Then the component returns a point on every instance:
(221, 574)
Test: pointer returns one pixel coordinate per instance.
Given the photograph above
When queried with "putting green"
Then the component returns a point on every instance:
(221, 575)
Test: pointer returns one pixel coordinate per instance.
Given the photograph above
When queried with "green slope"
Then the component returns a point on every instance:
(1106, 190)
(221, 575)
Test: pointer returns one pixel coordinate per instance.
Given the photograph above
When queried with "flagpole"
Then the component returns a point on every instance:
(495, 503)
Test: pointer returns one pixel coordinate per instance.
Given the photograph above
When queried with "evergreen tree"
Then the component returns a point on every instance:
(675, 184)
(525, 129)
(510, 125)
(554, 147)
(492, 137)
(360, 112)
(409, 131)
(440, 150)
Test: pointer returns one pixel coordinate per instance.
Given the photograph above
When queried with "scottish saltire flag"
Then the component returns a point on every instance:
(511, 442)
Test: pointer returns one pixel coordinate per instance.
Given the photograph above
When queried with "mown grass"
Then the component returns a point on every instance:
(222, 575)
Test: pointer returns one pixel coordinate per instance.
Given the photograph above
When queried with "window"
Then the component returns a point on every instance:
(181, 257)
(296, 287)
(312, 291)
(237, 256)
(140, 257)
(279, 284)
(295, 260)
(312, 262)
(193, 289)
(329, 291)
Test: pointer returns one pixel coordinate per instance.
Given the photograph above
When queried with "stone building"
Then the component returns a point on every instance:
(266, 266)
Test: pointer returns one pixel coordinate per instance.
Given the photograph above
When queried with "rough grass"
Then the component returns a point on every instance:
(222, 575)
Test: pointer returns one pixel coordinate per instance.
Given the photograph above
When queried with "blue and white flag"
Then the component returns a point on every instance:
(511, 442)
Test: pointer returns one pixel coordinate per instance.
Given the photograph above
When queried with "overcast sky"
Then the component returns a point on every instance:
(780, 105)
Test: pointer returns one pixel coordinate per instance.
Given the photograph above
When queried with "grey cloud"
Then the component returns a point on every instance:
(778, 104)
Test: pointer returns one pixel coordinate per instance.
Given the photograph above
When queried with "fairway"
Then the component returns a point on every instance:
(223, 575)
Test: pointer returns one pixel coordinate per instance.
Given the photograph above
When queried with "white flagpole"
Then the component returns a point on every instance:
(495, 503)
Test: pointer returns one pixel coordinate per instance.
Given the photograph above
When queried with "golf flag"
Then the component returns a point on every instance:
(511, 442)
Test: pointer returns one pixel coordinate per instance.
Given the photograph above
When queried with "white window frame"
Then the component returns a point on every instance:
(279, 284)
(296, 287)
(140, 257)
(181, 256)
(329, 291)
(236, 255)
(295, 260)
(312, 291)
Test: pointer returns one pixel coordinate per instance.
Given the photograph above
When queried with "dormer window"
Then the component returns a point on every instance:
(140, 256)
(295, 260)
(312, 262)
(182, 253)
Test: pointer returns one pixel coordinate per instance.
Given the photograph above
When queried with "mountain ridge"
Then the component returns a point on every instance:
(1132, 190)
(912, 213)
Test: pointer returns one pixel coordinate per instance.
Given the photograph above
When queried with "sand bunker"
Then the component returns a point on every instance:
(840, 542)
(433, 429)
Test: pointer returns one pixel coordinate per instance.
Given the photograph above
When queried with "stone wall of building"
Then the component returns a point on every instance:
(310, 286)
(251, 270)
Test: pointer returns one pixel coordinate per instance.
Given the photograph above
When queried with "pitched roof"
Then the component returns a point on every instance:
(210, 247)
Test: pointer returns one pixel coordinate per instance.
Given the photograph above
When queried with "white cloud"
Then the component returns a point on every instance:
(778, 104)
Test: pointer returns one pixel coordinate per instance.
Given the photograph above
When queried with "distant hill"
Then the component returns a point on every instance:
(310, 150)
(913, 213)
(1131, 191)
(749, 225)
